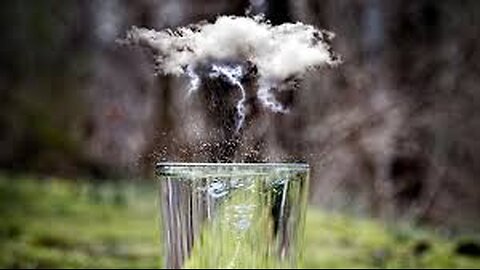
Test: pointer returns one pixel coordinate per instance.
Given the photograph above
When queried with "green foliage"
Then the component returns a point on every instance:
(58, 223)
(338, 241)
(54, 223)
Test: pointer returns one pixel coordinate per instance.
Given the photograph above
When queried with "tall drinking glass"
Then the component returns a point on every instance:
(232, 215)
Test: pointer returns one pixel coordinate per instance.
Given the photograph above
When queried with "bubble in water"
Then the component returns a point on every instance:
(277, 184)
(240, 216)
(242, 183)
(217, 189)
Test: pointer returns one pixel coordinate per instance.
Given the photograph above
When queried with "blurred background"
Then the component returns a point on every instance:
(392, 134)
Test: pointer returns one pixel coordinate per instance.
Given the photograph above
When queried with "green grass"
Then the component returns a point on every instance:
(54, 223)
(57, 223)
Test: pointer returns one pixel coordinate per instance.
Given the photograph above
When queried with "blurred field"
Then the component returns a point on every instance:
(58, 223)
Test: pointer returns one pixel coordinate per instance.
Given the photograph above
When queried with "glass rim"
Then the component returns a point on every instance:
(226, 165)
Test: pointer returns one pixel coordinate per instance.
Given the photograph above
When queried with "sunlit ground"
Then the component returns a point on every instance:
(53, 223)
